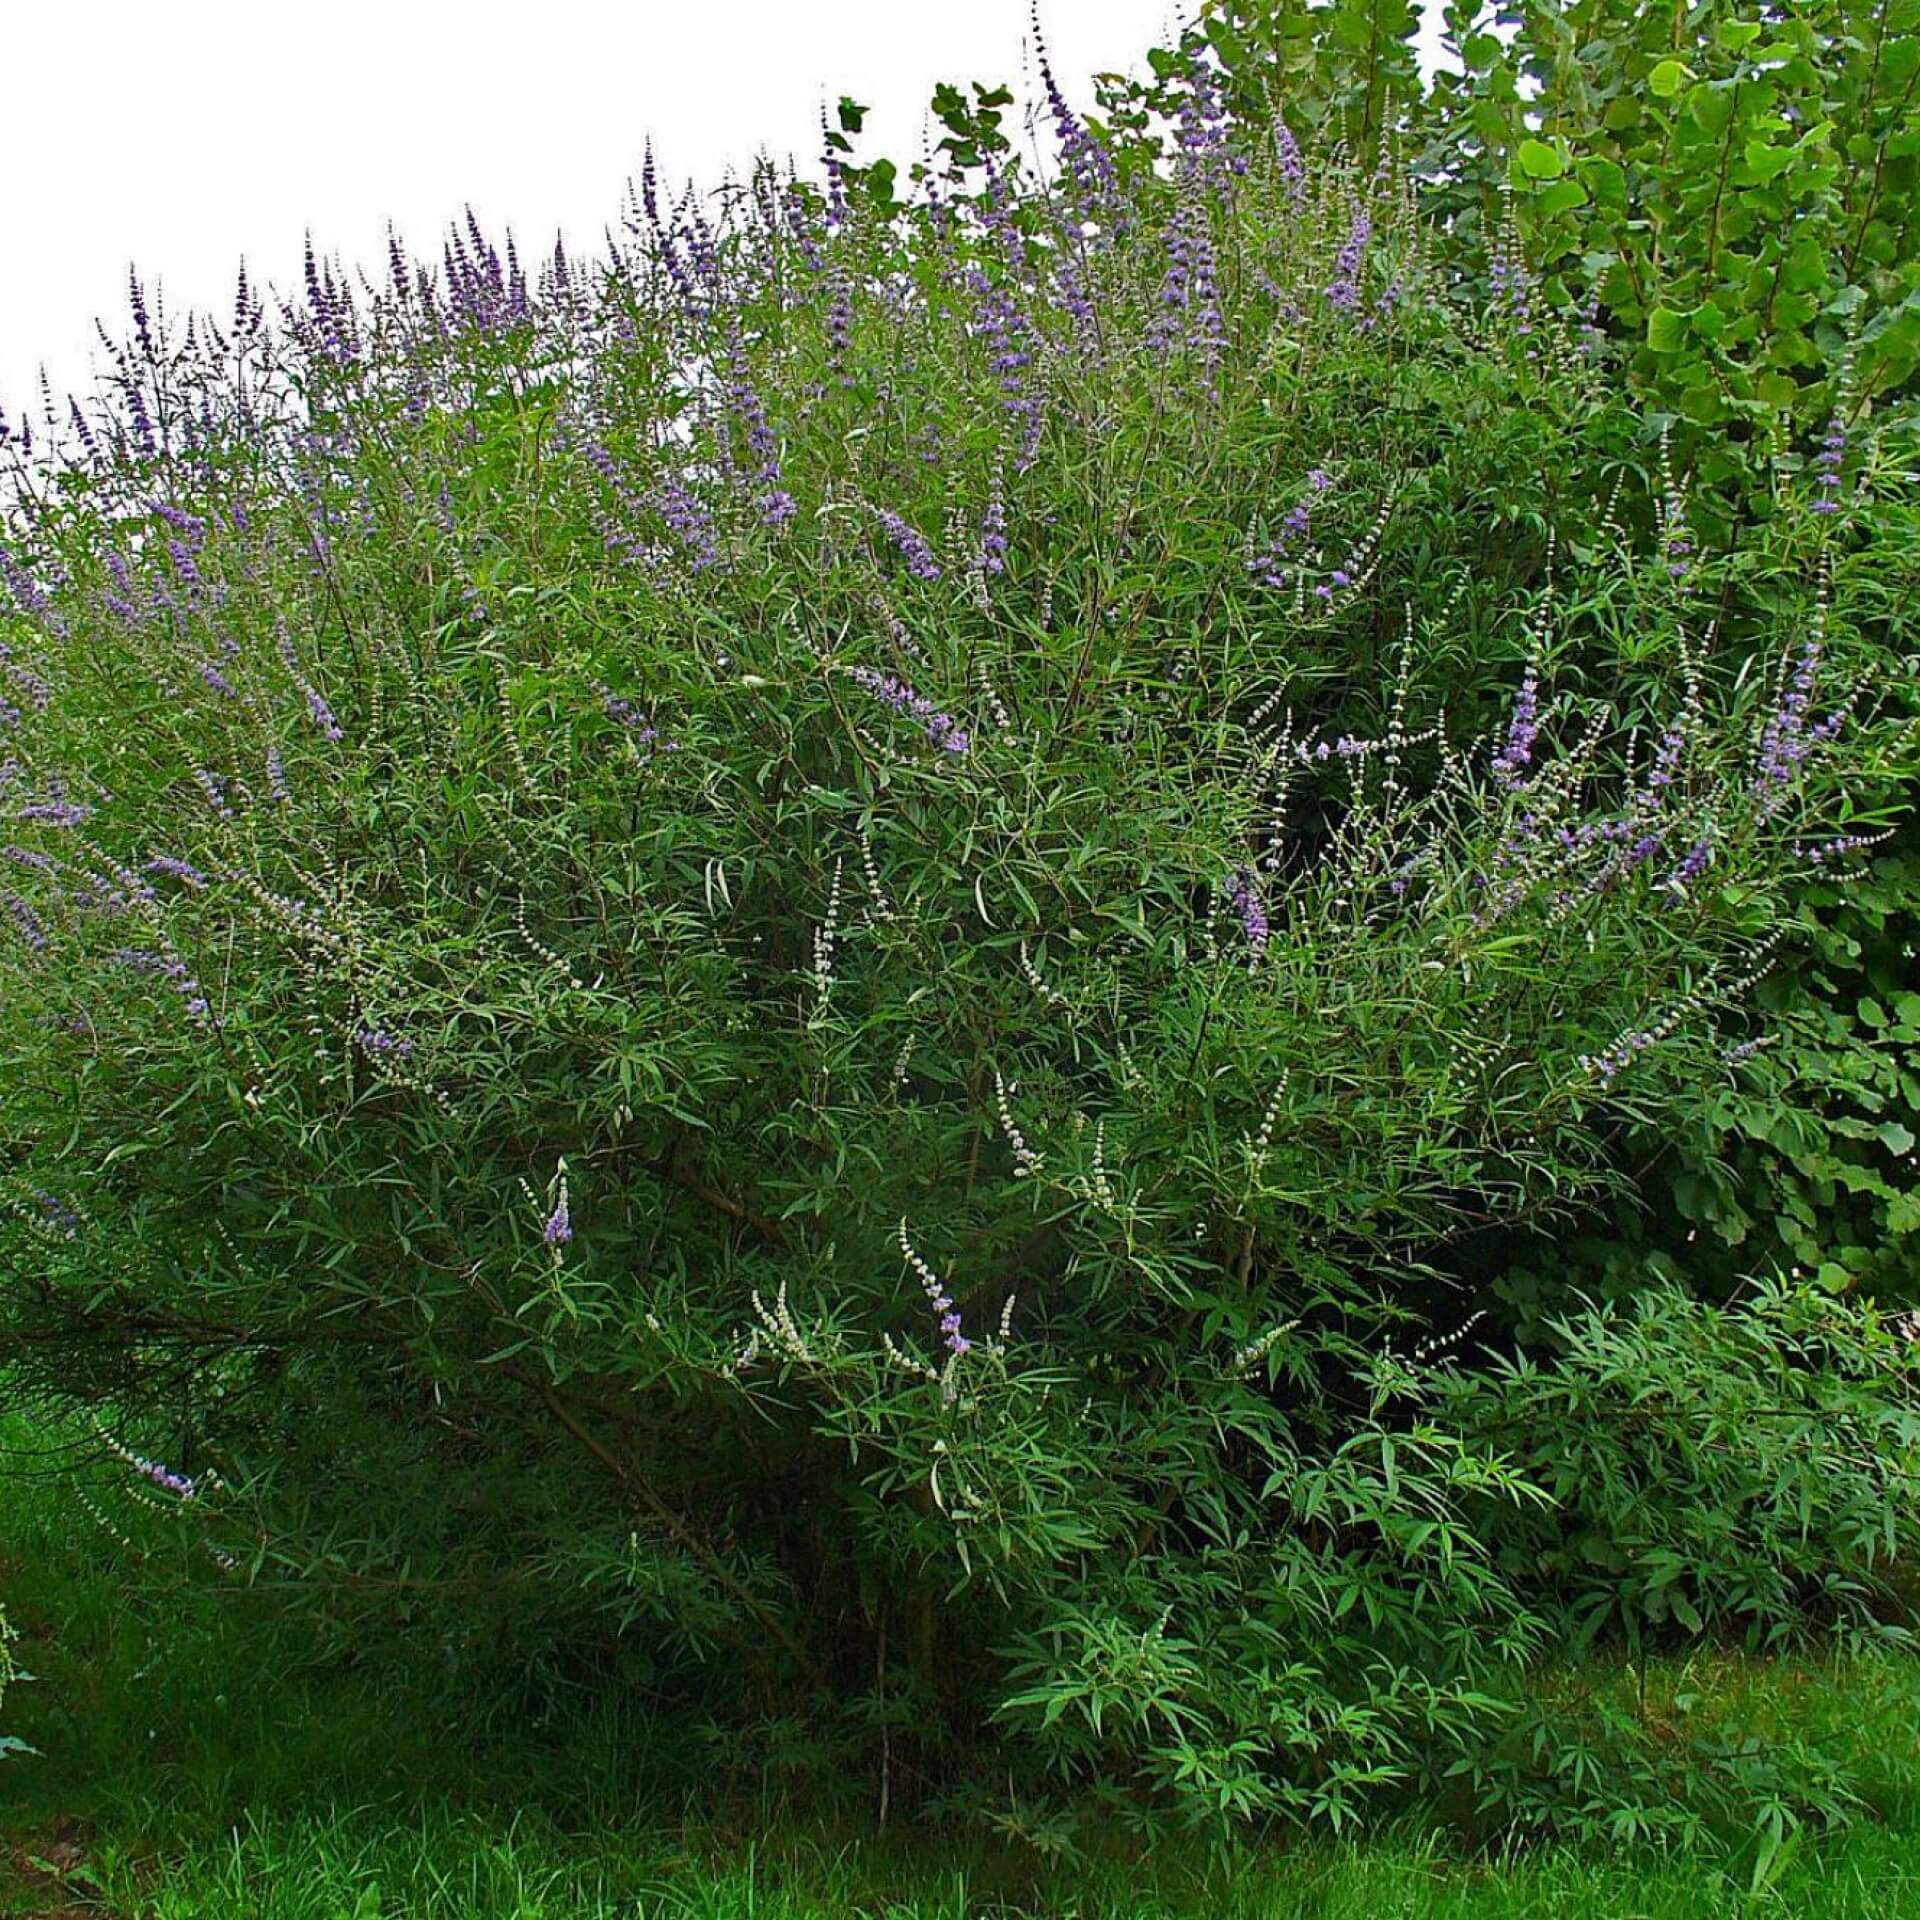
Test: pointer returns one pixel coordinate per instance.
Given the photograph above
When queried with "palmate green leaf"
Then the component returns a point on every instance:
(1708, 321)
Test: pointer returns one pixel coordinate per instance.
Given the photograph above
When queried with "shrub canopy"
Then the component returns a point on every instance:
(844, 943)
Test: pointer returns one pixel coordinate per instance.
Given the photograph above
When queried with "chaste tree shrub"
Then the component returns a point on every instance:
(810, 945)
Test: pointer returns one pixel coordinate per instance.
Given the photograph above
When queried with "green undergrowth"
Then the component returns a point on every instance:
(201, 1750)
(451, 1865)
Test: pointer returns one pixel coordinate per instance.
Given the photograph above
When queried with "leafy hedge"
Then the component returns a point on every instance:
(1722, 199)
(840, 950)
(1726, 190)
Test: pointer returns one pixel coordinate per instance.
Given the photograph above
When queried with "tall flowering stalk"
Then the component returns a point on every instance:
(912, 545)
(1093, 184)
(1002, 322)
(1343, 290)
(1243, 889)
(1523, 730)
(777, 505)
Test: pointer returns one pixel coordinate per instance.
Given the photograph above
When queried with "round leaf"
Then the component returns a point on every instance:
(1668, 78)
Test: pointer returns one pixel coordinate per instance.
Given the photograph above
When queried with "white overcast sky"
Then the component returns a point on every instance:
(179, 138)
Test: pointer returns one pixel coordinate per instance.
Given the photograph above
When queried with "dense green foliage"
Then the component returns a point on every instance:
(205, 1755)
(1729, 190)
(1725, 197)
(1731, 1471)
(868, 959)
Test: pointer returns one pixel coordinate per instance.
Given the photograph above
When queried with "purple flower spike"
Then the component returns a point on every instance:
(1293, 169)
(55, 1213)
(938, 1298)
(1350, 263)
(56, 813)
(1696, 861)
(912, 544)
(1827, 465)
(28, 923)
(1786, 740)
(941, 729)
(179, 1484)
(993, 537)
(1243, 890)
(1522, 731)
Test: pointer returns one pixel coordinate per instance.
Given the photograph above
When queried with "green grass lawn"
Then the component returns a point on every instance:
(207, 1753)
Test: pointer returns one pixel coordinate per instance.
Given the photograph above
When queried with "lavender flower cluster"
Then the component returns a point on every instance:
(938, 1299)
(941, 729)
